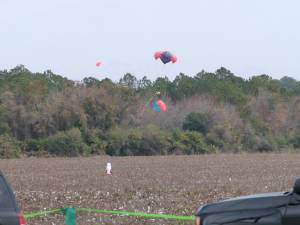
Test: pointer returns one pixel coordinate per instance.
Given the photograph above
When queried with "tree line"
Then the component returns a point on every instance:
(47, 114)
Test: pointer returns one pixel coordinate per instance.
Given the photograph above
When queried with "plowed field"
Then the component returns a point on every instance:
(164, 184)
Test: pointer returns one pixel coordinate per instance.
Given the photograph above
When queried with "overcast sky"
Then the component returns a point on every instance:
(249, 37)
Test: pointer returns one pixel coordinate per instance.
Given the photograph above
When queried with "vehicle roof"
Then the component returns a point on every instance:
(250, 202)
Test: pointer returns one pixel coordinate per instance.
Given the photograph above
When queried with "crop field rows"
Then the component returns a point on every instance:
(163, 184)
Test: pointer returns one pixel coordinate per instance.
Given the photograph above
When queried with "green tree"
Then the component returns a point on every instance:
(200, 122)
(69, 143)
(128, 80)
(91, 81)
(183, 86)
(162, 84)
(9, 147)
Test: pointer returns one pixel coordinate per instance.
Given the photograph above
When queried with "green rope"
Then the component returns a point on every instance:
(30, 215)
(139, 214)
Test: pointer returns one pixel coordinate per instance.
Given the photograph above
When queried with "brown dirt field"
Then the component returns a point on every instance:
(164, 184)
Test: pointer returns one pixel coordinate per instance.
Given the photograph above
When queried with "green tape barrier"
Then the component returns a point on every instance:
(70, 214)
(30, 215)
(137, 214)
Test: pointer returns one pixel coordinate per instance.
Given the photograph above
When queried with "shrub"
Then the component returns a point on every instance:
(68, 143)
(95, 139)
(213, 139)
(139, 141)
(200, 122)
(296, 141)
(116, 140)
(9, 147)
(155, 141)
(224, 137)
(266, 144)
(189, 142)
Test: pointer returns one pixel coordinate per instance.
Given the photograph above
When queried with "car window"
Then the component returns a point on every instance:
(5, 198)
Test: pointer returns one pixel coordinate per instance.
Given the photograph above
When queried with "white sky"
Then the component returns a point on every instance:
(248, 37)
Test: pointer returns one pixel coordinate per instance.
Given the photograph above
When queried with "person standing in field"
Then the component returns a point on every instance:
(108, 168)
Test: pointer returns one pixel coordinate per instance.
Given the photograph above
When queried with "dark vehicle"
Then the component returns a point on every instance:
(281, 208)
(10, 213)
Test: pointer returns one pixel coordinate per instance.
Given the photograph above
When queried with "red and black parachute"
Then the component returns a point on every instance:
(165, 56)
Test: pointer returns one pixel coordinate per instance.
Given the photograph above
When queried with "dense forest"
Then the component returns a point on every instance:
(45, 114)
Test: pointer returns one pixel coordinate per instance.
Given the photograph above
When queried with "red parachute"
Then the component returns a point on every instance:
(98, 64)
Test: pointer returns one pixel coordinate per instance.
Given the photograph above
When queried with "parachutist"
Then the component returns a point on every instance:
(158, 94)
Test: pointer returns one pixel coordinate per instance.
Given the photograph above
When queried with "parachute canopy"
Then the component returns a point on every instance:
(98, 64)
(159, 106)
(165, 56)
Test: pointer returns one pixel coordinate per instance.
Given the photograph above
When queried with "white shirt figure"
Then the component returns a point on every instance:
(108, 168)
